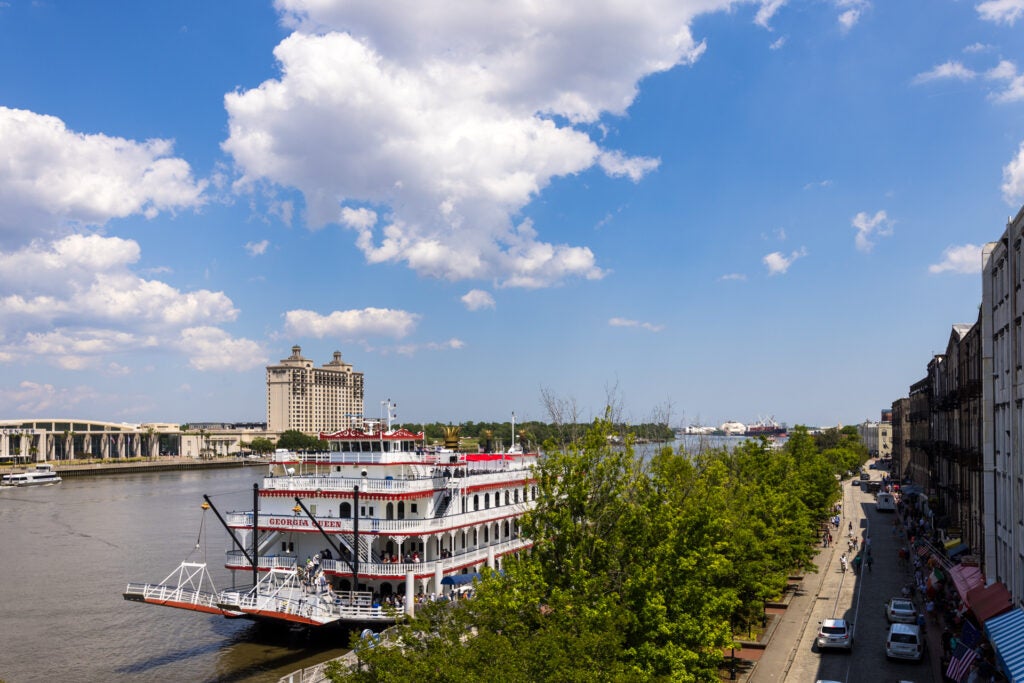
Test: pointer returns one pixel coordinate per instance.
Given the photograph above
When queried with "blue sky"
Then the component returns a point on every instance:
(722, 210)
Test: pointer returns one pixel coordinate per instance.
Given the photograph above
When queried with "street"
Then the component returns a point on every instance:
(857, 597)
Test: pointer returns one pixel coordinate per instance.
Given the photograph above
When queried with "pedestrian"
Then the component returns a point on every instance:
(870, 561)
(921, 623)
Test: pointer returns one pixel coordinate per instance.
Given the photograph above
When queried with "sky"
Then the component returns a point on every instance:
(696, 209)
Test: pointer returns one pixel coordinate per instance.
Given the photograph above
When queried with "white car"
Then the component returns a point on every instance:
(900, 610)
(834, 633)
(905, 641)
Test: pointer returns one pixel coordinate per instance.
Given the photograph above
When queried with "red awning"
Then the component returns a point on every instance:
(966, 579)
(989, 601)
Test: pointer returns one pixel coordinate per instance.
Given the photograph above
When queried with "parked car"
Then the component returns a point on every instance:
(864, 476)
(905, 641)
(900, 610)
(835, 633)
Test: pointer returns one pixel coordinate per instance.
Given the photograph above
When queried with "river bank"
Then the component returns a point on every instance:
(67, 469)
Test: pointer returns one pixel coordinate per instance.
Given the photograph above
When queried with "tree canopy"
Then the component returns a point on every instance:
(642, 567)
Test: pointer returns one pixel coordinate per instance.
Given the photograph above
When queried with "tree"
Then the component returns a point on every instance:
(262, 445)
(640, 567)
(294, 440)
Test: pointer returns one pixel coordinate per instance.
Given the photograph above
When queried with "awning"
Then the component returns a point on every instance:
(966, 579)
(459, 579)
(989, 601)
(952, 543)
(1006, 633)
(957, 550)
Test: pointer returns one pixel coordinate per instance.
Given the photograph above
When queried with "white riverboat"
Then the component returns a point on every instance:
(361, 533)
(40, 476)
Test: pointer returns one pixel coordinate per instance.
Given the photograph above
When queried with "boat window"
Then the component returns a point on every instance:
(506, 497)
(389, 511)
(487, 501)
(376, 446)
(485, 534)
(476, 502)
(345, 510)
(413, 508)
(401, 509)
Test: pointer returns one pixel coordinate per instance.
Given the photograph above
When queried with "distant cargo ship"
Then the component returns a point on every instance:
(767, 427)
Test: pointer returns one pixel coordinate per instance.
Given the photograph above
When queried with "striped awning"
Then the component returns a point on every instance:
(1006, 633)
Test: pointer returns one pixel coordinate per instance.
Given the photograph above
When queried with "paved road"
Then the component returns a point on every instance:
(858, 598)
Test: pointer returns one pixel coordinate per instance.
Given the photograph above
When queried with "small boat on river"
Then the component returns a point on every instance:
(359, 534)
(40, 476)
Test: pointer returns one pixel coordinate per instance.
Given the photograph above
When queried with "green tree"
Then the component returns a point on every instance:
(262, 445)
(294, 440)
(640, 567)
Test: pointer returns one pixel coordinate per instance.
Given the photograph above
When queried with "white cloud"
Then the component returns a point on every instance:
(964, 260)
(453, 344)
(211, 348)
(1007, 71)
(52, 178)
(616, 164)
(626, 322)
(449, 119)
(1013, 178)
(353, 323)
(777, 43)
(778, 263)
(257, 248)
(950, 69)
(86, 279)
(766, 11)
(32, 399)
(869, 227)
(851, 12)
(75, 302)
(476, 299)
(733, 276)
(817, 184)
(1001, 11)
(977, 47)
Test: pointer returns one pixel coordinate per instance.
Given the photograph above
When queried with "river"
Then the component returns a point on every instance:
(68, 551)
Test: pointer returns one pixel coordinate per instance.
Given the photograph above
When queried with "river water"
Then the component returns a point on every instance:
(67, 552)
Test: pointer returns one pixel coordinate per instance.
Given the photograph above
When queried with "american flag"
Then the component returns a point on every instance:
(960, 664)
(969, 635)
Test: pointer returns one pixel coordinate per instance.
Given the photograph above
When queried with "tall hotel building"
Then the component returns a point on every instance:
(309, 399)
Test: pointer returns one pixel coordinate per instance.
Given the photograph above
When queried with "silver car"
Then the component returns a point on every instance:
(834, 633)
(900, 610)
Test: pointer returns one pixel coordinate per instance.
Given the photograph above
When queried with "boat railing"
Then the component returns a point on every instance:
(398, 570)
(290, 521)
(310, 482)
(176, 594)
(237, 558)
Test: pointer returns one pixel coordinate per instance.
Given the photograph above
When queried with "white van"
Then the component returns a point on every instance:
(885, 502)
(905, 641)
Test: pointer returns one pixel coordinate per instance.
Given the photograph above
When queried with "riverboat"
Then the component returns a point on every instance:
(360, 534)
(40, 476)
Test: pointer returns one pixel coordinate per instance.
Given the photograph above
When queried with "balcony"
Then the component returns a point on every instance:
(423, 485)
(385, 570)
(398, 527)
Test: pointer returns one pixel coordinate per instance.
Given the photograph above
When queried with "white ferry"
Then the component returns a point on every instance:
(363, 532)
(40, 476)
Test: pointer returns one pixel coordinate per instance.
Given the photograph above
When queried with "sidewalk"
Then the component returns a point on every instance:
(770, 658)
